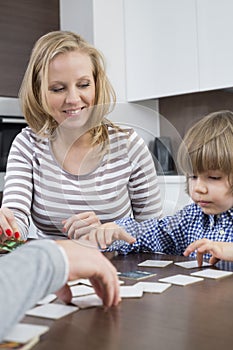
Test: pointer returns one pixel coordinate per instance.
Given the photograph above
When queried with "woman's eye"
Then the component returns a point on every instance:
(84, 86)
(215, 177)
(56, 89)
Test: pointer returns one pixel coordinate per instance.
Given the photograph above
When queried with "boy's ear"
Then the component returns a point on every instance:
(187, 185)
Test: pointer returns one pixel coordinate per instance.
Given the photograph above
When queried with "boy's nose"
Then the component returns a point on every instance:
(200, 186)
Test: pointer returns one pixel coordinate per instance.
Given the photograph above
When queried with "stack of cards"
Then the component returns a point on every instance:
(23, 336)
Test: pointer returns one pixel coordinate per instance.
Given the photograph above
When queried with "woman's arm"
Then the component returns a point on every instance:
(143, 184)
(18, 189)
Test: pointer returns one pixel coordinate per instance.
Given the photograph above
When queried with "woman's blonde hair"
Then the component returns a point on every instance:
(208, 145)
(35, 83)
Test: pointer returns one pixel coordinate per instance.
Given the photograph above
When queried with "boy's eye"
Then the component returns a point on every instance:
(192, 177)
(215, 177)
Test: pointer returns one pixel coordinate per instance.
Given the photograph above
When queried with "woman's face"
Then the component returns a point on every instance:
(71, 88)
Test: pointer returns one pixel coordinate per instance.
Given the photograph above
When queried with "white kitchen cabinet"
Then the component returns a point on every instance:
(160, 48)
(177, 46)
(215, 32)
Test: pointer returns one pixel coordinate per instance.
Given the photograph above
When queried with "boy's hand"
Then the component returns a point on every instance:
(107, 233)
(218, 250)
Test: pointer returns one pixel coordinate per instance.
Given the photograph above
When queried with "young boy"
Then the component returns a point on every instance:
(205, 157)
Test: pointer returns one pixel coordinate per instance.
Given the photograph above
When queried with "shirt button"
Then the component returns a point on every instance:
(222, 232)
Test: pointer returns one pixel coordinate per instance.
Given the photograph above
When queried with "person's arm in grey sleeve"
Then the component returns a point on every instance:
(27, 275)
(44, 266)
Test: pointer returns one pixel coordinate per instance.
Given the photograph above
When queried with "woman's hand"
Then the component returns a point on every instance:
(107, 233)
(81, 224)
(8, 225)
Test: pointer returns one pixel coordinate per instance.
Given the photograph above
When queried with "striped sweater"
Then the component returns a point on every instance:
(123, 185)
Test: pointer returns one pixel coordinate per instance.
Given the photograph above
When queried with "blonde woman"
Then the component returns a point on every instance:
(72, 169)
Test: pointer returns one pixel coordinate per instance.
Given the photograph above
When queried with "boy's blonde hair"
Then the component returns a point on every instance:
(208, 145)
(35, 83)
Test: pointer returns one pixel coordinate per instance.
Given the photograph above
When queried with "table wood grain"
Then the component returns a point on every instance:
(193, 317)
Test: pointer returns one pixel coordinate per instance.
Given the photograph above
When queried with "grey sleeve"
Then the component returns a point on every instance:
(27, 275)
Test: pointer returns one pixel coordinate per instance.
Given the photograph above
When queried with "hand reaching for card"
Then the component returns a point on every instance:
(218, 250)
(107, 233)
(87, 262)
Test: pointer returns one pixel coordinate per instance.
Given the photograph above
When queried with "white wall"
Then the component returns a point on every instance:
(10, 106)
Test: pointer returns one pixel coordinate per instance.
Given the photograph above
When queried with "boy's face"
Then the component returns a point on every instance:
(211, 191)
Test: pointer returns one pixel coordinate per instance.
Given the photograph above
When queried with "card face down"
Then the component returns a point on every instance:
(211, 273)
(155, 263)
(87, 301)
(136, 275)
(181, 280)
(131, 291)
(153, 287)
(191, 264)
(53, 311)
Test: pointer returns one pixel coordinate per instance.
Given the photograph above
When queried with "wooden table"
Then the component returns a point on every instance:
(194, 317)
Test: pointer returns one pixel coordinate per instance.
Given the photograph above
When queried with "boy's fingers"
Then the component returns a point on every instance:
(199, 259)
(127, 237)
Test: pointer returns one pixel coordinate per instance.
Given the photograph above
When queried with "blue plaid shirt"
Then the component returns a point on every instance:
(172, 234)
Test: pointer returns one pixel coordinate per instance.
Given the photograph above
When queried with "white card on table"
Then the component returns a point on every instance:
(80, 281)
(48, 299)
(87, 301)
(211, 273)
(81, 290)
(153, 287)
(53, 311)
(191, 264)
(181, 280)
(23, 332)
(131, 292)
(155, 263)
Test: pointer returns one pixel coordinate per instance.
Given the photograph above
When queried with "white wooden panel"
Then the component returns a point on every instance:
(161, 48)
(215, 36)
